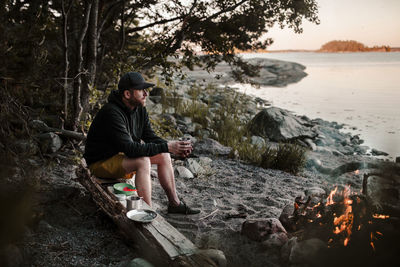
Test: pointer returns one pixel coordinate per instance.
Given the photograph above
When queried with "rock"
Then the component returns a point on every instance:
(308, 251)
(155, 99)
(275, 240)
(315, 163)
(258, 141)
(397, 159)
(361, 150)
(26, 146)
(182, 172)
(168, 119)
(287, 248)
(153, 174)
(11, 256)
(272, 72)
(38, 125)
(157, 91)
(154, 108)
(315, 192)
(279, 125)
(194, 167)
(203, 161)
(260, 229)
(310, 144)
(211, 146)
(215, 255)
(286, 217)
(139, 262)
(376, 152)
(49, 142)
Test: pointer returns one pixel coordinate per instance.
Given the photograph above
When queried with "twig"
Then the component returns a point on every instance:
(202, 218)
(72, 207)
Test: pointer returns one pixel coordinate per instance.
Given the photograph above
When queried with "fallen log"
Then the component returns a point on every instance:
(158, 241)
(41, 126)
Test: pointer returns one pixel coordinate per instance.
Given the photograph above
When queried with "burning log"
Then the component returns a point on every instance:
(350, 224)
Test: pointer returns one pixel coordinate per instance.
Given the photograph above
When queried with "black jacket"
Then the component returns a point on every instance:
(116, 129)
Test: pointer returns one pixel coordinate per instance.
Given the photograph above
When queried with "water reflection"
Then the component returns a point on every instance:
(355, 89)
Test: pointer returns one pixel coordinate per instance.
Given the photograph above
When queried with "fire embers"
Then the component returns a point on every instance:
(348, 224)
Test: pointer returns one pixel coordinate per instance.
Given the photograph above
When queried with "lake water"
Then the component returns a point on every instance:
(361, 90)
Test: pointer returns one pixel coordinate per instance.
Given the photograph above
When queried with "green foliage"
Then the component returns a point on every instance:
(164, 129)
(198, 111)
(287, 157)
(231, 131)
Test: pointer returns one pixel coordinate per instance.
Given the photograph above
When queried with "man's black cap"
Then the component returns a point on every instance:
(133, 80)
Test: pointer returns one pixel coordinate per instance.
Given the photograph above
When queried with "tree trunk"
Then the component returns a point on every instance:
(79, 69)
(65, 13)
(91, 56)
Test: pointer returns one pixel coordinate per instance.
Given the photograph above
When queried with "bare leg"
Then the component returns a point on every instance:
(166, 176)
(142, 179)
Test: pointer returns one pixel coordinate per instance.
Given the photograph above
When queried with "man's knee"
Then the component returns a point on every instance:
(162, 159)
(136, 164)
(166, 157)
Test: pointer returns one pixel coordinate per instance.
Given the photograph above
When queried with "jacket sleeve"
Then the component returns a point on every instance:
(120, 138)
(148, 135)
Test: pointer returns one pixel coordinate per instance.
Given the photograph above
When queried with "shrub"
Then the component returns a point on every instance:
(287, 157)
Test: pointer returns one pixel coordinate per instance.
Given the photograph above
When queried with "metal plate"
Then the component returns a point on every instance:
(143, 215)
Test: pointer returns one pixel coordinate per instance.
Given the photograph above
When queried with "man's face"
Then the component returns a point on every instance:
(137, 97)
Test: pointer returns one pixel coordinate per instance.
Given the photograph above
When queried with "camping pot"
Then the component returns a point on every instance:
(133, 202)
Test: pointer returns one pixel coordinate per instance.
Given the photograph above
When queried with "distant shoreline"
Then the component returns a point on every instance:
(392, 49)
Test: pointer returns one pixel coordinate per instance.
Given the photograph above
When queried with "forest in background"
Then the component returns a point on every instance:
(58, 54)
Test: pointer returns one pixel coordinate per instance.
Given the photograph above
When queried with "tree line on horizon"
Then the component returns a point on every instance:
(351, 46)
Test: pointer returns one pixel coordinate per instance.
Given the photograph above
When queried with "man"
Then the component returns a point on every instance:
(121, 142)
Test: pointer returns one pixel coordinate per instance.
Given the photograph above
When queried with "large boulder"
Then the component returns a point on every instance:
(280, 125)
(211, 147)
(49, 142)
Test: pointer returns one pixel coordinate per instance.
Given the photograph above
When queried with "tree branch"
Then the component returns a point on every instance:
(136, 29)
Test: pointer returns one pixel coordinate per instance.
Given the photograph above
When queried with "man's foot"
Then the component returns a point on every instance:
(182, 208)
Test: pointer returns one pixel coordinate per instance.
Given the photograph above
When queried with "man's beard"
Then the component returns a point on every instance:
(136, 103)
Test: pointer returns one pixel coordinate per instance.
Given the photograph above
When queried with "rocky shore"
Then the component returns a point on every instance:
(240, 203)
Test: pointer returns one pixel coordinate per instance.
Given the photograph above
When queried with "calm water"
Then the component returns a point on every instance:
(361, 90)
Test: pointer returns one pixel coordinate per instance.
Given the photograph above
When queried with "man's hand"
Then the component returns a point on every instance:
(180, 148)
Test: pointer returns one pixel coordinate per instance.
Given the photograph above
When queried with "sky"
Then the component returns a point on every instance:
(371, 22)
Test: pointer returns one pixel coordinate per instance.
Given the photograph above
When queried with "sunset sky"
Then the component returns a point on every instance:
(371, 22)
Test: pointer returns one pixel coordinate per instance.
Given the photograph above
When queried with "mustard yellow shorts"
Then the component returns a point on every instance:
(110, 168)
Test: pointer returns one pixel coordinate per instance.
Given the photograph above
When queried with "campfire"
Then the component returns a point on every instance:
(354, 228)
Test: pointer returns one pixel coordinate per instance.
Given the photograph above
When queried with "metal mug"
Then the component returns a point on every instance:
(133, 202)
(185, 138)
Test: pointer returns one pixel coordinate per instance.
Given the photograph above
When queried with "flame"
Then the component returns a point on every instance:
(380, 216)
(379, 233)
(329, 200)
(319, 215)
(344, 222)
(372, 242)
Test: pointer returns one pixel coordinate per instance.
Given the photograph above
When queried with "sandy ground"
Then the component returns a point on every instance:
(233, 188)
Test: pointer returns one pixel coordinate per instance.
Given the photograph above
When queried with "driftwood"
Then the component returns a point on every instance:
(158, 242)
(41, 126)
